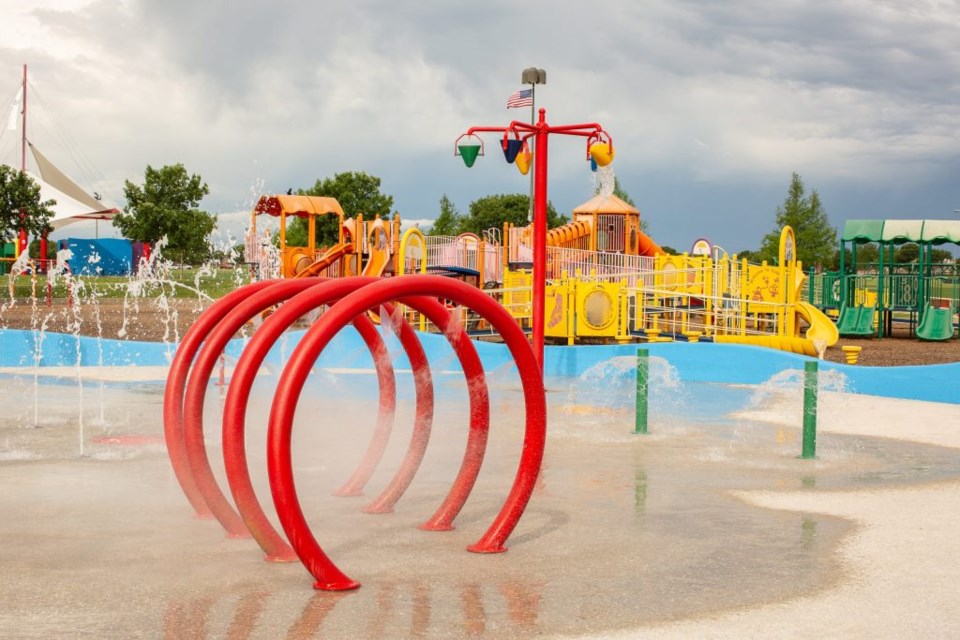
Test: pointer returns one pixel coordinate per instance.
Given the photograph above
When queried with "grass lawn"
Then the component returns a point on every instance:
(204, 282)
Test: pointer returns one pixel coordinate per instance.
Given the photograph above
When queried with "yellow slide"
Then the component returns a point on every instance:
(821, 326)
(378, 250)
(376, 262)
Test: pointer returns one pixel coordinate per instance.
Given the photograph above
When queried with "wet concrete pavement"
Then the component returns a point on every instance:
(697, 530)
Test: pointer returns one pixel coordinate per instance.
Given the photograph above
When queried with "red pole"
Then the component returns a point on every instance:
(22, 236)
(539, 236)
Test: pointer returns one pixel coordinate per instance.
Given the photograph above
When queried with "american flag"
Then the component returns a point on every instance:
(522, 98)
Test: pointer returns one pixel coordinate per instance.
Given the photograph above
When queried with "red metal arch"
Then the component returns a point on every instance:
(214, 328)
(234, 417)
(177, 380)
(213, 345)
(328, 576)
(242, 381)
(185, 428)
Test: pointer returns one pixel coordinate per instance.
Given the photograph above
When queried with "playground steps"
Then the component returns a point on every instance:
(857, 320)
(936, 323)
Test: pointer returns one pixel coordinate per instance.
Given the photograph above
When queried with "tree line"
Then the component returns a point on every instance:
(167, 205)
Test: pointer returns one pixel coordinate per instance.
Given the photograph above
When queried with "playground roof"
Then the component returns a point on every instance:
(901, 231)
(605, 204)
(941, 231)
(300, 206)
(862, 231)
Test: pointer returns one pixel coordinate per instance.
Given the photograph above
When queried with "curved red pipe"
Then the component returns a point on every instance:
(328, 576)
(234, 417)
(479, 425)
(230, 321)
(242, 381)
(423, 419)
(173, 392)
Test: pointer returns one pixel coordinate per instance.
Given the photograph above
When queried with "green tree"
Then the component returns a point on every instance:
(356, 191)
(816, 239)
(448, 221)
(166, 205)
(940, 255)
(34, 249)
(20, 195)
(867, 254)
(908, 252)
(492, 211)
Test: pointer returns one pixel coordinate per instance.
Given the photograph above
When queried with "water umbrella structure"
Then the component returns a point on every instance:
(540, 133)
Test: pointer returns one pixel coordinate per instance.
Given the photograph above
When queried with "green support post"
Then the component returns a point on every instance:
(809, 410)
(643, 376)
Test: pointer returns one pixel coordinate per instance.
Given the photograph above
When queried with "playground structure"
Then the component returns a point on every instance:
(869, 298)
(606, 280)
(349, 299)
(372, 243)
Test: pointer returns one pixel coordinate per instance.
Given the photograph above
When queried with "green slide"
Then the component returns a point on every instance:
(856, 320)
(936, 323)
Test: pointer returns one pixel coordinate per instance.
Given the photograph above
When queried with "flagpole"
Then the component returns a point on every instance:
(533, 145)
(22, 235)
(532, 76)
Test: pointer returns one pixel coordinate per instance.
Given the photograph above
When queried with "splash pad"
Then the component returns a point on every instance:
(649, 520)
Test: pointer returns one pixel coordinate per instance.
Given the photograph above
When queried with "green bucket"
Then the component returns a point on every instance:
(469, 153)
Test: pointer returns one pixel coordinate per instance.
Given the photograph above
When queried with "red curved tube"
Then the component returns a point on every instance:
(234, 417)
(424, 417)
(479, 401)
(328, 576)
(230, 321)
(173, 392)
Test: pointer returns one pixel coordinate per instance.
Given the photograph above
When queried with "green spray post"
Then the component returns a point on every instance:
(643, 375)
(809, 410)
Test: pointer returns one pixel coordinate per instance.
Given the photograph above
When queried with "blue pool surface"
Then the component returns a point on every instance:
(694, 363)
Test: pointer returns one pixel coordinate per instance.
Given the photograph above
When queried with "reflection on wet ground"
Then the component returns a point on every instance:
(622, 531)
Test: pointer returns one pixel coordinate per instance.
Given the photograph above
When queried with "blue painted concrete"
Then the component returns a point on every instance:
(704, 362)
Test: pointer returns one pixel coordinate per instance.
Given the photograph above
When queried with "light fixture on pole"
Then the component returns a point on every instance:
(532, 76)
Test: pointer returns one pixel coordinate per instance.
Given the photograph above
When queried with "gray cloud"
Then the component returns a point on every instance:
(711, 105)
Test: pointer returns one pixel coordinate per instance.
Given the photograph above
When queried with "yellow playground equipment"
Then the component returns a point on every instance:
(606, 279)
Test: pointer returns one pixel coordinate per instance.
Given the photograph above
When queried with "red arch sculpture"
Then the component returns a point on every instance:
(188, 427)
(326, 573)
(177, 380)
(352, 297)
(242, 381)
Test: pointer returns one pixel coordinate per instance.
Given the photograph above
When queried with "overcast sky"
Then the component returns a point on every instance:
(711, 105)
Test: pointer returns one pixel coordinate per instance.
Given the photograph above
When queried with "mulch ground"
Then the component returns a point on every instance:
(154, 319)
